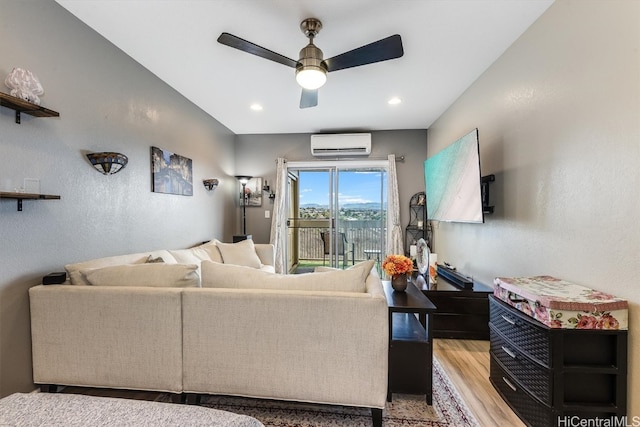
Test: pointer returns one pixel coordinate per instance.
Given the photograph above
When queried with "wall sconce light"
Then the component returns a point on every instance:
(267, 189)
(108, 163)
(210, 184)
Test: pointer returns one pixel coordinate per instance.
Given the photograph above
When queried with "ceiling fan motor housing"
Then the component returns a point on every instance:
(311, 71)
(311, 57)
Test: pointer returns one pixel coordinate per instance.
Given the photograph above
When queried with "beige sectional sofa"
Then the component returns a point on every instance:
(215, 319)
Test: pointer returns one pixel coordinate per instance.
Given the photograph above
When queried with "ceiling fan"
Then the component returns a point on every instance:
(311, 68)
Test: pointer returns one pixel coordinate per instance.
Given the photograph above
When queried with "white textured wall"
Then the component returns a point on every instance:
(559, 122)
(107, 102)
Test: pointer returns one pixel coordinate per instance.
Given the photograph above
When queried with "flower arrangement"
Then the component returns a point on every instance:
(395, 265)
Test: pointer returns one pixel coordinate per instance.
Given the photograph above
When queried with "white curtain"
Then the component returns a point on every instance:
(394, 230)
(279, 217)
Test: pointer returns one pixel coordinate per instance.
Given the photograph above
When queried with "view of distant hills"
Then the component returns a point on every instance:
(364, 206)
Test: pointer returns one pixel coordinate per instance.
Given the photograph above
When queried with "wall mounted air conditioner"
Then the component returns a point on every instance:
(344, 144)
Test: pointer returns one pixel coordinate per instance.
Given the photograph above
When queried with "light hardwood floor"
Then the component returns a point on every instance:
(466, 363)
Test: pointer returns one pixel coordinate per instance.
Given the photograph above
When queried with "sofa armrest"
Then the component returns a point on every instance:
(266, 253)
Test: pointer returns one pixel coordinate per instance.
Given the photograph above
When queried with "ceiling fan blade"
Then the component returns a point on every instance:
(382, 50)
(309, 98)
(252, 48)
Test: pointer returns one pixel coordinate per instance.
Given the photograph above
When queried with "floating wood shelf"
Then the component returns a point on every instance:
(22, 106)
(27, 196)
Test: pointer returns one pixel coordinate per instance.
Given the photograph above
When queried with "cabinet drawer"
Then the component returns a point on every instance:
(535, 378)
(530, 410)
(532, 339)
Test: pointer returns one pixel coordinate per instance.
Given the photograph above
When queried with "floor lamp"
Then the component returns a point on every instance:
(243, 179)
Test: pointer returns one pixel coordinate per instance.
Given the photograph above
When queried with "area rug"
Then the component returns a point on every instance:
(406, 410)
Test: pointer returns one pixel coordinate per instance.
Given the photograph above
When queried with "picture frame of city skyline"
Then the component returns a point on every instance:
(253, 190)
(171, 173)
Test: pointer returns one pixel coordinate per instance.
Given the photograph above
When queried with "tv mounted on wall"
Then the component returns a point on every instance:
(453, 182)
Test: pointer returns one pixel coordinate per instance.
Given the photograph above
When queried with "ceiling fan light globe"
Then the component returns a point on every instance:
(311, 78)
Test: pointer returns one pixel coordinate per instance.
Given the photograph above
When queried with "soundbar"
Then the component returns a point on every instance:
(454, 277)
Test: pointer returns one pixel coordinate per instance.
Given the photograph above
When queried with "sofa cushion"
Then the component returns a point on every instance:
(77, 278)
(241, 253)
(363, 267)
(152, 275)
(268, 268)
(216, 275)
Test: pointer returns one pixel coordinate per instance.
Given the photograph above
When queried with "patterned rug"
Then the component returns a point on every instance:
(406, 410)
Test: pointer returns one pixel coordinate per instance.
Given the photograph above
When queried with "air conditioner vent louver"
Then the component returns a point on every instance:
(346, 144)
(357, 150)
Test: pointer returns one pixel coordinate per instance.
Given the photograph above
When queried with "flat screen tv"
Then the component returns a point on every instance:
(453, 182)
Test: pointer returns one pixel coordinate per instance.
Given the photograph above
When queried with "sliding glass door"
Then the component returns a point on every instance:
(337, 214)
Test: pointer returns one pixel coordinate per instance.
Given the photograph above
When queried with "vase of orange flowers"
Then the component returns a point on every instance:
(397, 267)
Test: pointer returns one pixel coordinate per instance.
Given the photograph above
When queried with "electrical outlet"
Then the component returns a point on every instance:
(267, 214)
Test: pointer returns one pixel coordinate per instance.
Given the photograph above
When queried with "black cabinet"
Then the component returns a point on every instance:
(549, 375)
(417, 227)
(461, 313)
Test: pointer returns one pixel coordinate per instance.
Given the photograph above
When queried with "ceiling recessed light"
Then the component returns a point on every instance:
(394, 101)
(256, 107)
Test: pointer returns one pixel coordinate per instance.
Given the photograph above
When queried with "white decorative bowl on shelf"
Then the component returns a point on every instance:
(24, 85)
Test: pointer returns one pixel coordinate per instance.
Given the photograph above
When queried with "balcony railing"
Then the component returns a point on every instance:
(367, 237)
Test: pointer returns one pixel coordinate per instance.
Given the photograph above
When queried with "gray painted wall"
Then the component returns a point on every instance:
(107, 102)
(559, 122)
(558, 119)
(255, 156)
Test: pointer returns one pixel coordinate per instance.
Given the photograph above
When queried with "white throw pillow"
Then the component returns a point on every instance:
(241, 253)
(77, 278)
(215, 275)
(364, 267)
(154, 275)
(191, 256)
(211, 249)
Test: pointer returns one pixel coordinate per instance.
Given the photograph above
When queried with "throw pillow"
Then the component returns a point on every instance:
(191, 256)
(75, 270)
(152, 260)
(364, 267)
(241, 253)
(159, 275)
(211, 249)
(215, 275)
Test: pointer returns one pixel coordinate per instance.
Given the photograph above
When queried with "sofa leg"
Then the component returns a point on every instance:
(192, 399)
(376, 416)
(48, 388)
(178, 398)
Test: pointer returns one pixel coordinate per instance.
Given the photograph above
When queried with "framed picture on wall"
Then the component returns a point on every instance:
(253, 193)
(171, 173)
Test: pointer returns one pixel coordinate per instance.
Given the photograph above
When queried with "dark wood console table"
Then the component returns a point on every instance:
(410, 342)
(461, 313)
